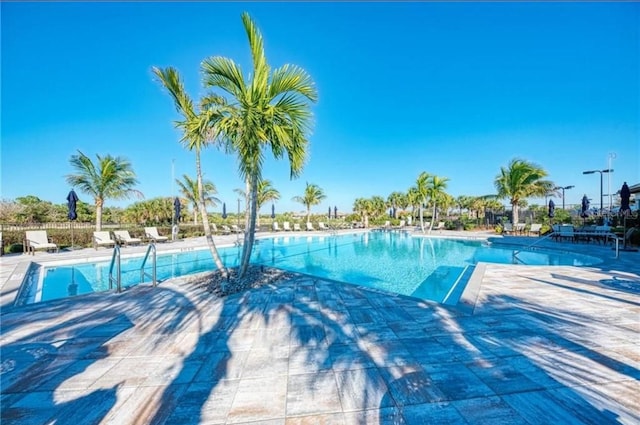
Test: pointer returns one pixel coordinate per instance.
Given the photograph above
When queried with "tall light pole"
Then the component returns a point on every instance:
(612, 155)
(563, 189)
(608, 170)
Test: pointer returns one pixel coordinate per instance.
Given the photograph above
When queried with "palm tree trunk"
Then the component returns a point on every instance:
(249, 233)
(308, 212)
(205, 220)
(421, 219)
(99, 203)
(433, 217)
(195, 215)
(515, 213)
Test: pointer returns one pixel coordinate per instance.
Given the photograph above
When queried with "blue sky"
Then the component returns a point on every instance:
(453, 89)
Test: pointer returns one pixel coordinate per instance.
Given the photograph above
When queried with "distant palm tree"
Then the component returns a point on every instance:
(421, 193)
(266, 193)
(313, 195)
(520, 180)
(111, 178)
(269, 111)
(395, 201)
(436, 187)
(194, 138)
(379, 206)
(364, 208)
(189, 191)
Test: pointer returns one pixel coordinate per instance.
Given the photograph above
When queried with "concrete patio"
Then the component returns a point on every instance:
(540, 345)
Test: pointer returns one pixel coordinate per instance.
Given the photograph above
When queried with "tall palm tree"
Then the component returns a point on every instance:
(520, 180)
(379, 206)
(313, 195)
(436, 187)
(194, 138)
(111, 178)
(421, 193)
(189, 190)
(269, 111)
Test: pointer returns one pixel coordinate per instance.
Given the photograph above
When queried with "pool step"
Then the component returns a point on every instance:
(439, 285)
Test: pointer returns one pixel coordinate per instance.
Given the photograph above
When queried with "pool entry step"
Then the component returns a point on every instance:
(445, 284)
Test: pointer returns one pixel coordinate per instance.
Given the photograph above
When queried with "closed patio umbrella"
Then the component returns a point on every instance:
(335, 212)
(552, 208)
(625, 196)
(224, 210)
(72, 200)
(584, 209)
(273, 211)
(329, 213)
(176, 209)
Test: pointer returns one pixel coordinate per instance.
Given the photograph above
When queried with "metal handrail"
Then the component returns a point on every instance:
(518, 251)
(151, 248)
(115, 261)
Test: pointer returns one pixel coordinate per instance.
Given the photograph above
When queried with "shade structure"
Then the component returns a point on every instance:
(625, 196)
(72, 200)
(552, 208)
(176, 209)
(273, 211)
(584, 208)
(224, 210)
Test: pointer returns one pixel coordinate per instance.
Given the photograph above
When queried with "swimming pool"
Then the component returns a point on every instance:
(427, 268)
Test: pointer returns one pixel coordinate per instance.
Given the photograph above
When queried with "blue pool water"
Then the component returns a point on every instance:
(426, 268)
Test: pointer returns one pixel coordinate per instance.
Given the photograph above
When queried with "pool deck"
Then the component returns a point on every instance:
(536, 345)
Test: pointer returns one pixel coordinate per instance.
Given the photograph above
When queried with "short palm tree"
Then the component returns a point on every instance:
(268, 111)
(194, 138)
(364, 208)
(313, 195)
(520, 180)
(189, 190)
(395, 200)
(110, 178)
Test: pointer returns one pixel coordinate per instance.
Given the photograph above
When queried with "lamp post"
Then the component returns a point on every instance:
(608, 170)
(563, 189)
(612, 155)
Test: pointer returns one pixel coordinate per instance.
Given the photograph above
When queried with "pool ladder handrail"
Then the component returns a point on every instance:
(115, 261)
(151, 249)
(518, 251)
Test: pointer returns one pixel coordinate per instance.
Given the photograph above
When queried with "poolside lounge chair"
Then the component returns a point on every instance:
(402, 223)
(102, 239)
(296, 227)
(38, 239)
(276, 228)
(310, 226)
(285, 226)
(518, 229)
(440, 226)
(124, 238)
(535, 228)
(235, 229)
(152, 234)
(387, 225)
(226, 230)
(567, 232)
(321, 226)
(507, 229)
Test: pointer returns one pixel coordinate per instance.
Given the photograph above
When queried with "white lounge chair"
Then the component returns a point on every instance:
(440, 226)
(321, 226)
(38, 239)
(276, 228)
(151, 233)
(235, 229)
(226, 230)
(102, 238)
(507, 229)
(535, 228)
(285, 226)
(296, 227)
(124, 238)
(310, 226)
